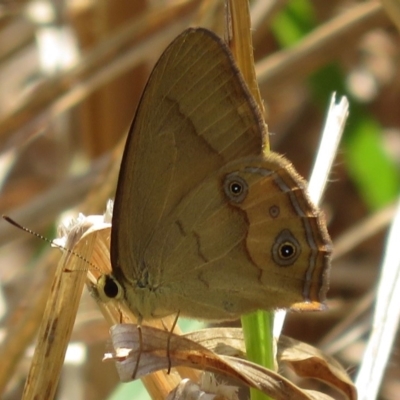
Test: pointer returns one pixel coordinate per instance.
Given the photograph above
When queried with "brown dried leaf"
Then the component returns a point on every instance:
(183, 351)
(307, 361)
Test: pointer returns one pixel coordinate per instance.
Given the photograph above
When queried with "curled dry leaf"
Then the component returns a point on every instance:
(309, 362)
(219, 350)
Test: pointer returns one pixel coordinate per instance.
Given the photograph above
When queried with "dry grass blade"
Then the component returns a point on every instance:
(386, 318)
(24, 320)
(242, 48)
(337, 116)
(58, 320)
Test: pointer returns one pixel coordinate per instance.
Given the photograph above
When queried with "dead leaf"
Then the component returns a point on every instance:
(199, 350)
(307, 361)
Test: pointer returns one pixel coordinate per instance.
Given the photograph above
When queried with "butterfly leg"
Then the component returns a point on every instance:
(140, 350)
(169, 342)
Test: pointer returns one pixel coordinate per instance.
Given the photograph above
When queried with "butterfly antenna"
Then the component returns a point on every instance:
(38, 235)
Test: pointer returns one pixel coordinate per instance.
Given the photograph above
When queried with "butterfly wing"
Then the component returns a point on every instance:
(230, 252)
(195, 115)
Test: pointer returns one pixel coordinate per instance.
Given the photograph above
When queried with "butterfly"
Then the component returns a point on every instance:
(204, 223)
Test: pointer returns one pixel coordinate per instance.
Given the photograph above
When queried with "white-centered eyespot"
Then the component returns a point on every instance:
(286, 249)
(235, 188)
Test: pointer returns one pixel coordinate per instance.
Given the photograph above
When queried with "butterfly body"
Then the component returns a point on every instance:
(204, 222)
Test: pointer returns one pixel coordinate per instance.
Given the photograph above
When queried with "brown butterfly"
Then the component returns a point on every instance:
(204, 223)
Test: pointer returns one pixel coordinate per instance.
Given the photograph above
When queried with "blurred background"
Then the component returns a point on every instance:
(71, 76)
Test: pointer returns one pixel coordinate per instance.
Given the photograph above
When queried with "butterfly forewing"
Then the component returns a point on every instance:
(195, 115)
